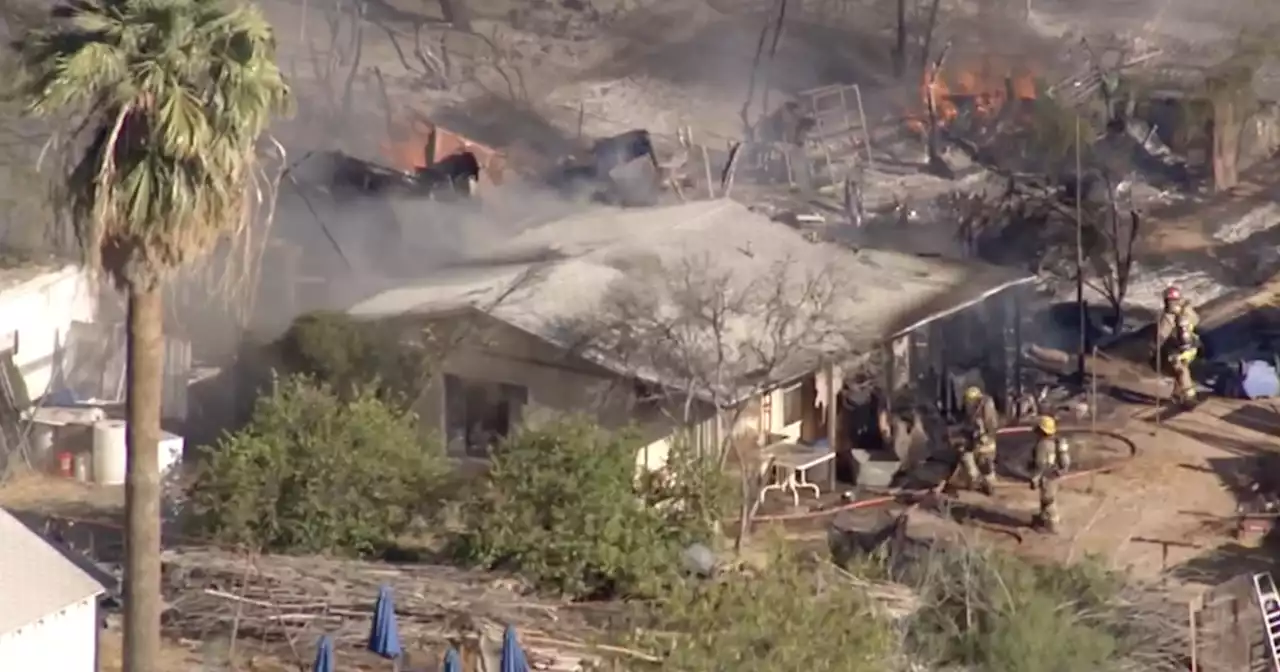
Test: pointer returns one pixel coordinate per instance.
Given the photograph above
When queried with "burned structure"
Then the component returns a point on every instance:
(622, 169)
(977, 340)
(539, 344)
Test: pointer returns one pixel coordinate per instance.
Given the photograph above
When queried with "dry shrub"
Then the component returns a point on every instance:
(993, 611)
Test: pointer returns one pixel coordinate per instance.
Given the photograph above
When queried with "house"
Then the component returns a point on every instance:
(50, 615)
(39, 302)
(520, 352)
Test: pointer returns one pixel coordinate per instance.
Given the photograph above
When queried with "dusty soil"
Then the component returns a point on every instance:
(1190, 226)
(664, 64)
(1165, 514)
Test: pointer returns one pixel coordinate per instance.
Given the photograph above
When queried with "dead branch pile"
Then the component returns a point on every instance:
(296, 599)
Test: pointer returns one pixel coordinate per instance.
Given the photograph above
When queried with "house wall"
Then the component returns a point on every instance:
(65, 641)
(40, 312)
(557, 383)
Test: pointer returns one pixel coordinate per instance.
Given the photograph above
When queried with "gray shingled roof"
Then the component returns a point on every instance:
(563, 268)
(36, 578)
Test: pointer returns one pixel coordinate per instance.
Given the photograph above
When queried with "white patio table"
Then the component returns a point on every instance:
(790, 464)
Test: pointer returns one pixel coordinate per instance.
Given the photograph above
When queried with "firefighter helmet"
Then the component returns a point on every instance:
(1172, 294)
(1047, 425)
(972, 393)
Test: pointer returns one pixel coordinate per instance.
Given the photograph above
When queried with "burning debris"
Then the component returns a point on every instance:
(975, 97)
(621, 169)
(456, 176)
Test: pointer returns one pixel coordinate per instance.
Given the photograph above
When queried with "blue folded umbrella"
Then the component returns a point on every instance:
(452, 661)
(513, 658)
(324, 655)
(384, 636)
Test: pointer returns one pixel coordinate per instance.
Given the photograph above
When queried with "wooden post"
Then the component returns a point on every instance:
(831, 171)
(866, 131)
(1093, 401)
(844, 108)
(726, 177)
(706, 164)
(1159, 373)
(1191, 623)
(833, 419)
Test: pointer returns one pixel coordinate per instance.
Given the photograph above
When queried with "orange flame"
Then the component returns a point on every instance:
(419, 143)
(985, 86)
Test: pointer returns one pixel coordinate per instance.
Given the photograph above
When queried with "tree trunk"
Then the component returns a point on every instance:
(142, 599)
(456, 13)
(1226, 143)
(900, 47)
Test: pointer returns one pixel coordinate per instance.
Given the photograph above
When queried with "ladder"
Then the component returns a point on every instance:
(1264, 587)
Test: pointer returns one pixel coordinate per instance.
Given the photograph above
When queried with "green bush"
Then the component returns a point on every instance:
(561, 506)
(314, 472)
(349, 354)
(792, 615)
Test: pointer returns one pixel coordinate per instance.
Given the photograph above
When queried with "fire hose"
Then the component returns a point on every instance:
(915, 496)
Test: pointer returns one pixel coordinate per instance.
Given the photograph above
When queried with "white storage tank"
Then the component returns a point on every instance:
(110, 452)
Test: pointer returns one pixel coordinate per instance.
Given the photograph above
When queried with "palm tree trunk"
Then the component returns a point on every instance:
(142, 601)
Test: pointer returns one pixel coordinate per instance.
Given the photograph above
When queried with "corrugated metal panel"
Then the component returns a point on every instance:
(177, 371)
(93, 361)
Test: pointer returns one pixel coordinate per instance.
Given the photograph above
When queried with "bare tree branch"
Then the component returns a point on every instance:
(710, 340)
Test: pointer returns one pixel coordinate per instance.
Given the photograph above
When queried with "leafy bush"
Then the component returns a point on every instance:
(349, 354)
(793, 615)
(315, 472)
(561, 505)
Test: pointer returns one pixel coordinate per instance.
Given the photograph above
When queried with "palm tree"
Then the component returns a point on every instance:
(165, 101)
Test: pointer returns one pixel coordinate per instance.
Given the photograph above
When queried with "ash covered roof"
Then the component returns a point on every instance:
(561, 271)
(36, 579)
(16, 272)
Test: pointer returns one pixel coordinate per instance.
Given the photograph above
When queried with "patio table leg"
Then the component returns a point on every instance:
(803, 482)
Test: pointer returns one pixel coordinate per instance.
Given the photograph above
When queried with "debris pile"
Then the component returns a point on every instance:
(293, 600)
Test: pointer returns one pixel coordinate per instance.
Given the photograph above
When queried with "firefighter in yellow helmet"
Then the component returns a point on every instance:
(1050, 459)
(1179, 343)
(979, 453)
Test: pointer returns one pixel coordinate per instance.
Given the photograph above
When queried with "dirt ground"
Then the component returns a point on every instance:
(1163, 515)
(664, 64)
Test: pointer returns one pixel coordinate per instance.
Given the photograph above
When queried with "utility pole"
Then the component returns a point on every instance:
(1084, 318)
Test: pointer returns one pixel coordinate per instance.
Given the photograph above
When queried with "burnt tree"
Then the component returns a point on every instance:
(1114, 236)
(900, 45)
(1229, 87)
(709, 339)
(456, 13)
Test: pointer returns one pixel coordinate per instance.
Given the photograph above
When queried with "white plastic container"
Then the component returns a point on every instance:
(171, 447)
(109, 452)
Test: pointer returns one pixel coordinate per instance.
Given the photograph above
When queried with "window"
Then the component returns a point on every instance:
(793, 405)
(647, 397)
(479, 414)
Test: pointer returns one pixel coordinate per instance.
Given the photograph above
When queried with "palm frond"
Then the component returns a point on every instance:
(176, 94)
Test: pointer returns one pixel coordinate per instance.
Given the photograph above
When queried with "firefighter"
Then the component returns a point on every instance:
(1050, 459)
(979, 453)
(1179, 343)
